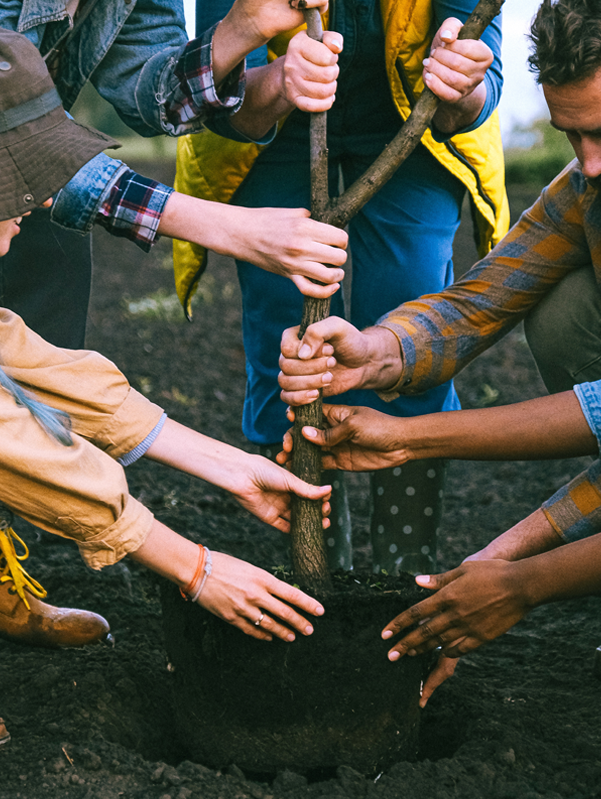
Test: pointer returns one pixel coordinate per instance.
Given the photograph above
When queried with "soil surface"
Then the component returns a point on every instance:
(519, 720)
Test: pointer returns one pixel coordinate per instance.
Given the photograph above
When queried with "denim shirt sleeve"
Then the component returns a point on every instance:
(493, 80)
(589, 397)
(133, 74)
(76, 205)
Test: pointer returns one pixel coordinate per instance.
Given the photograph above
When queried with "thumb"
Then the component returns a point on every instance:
(434, 582)
(333, 40)
(317, 334)
(302, 489)
(449, 30)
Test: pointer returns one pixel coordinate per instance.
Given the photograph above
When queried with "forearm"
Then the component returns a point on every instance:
(167, 553)
(451, 117)
(566, 572)
(546, 427)
(235, 37)
(265, 101)
(192, 452)
(202, 222)
(382, 362)
(531, 536)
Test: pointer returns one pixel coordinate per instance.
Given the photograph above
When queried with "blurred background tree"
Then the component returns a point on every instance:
(541, 153)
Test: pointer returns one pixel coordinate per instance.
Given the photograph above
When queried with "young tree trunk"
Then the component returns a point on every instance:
(307, 541)
(309, 561)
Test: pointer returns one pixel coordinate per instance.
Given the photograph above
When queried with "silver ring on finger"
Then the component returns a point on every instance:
(259, 620)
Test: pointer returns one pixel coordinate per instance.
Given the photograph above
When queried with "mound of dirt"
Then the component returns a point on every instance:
(520, 719)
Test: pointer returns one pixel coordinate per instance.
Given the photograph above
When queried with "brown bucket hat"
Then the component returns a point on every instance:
(40, 147)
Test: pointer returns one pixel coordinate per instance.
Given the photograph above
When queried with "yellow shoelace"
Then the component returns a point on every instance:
(10, 563)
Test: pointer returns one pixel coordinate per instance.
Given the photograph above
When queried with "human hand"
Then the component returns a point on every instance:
(287, 242)
(264, 489)
(310, 71)
(475, 603)
(334, 356)
(241, 594)
(455, 67)
(264, 19)
(355, 439)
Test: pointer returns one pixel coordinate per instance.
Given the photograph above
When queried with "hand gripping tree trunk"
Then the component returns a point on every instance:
(307, 542)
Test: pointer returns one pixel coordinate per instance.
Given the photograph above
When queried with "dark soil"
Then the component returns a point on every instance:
(332, 699)
(520, 719)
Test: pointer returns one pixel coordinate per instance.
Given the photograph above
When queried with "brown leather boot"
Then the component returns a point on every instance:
(46, 625)
(4, 733)
(24, 618)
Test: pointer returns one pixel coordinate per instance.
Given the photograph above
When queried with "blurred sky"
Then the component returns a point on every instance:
(522, 100)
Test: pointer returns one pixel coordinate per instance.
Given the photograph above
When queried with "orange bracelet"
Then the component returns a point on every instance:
(187, 591)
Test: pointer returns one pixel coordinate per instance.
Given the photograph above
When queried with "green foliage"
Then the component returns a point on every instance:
(167, 307)
(91, 109)
(538, 163)
(487, 396)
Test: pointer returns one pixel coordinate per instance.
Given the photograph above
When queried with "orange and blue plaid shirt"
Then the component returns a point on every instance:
(441, 333)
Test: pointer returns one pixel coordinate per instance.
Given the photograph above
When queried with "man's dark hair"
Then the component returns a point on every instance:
(566, 41)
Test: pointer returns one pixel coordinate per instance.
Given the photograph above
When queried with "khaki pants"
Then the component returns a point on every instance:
(564, 332)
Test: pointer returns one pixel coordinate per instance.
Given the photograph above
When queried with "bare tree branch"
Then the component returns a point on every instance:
(343, 209)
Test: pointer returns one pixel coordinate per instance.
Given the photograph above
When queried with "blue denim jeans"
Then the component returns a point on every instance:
(401, 241)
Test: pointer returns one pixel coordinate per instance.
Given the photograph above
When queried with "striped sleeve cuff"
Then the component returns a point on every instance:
(137, 452)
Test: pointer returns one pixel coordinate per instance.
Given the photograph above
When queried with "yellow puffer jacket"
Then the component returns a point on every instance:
(212, 167)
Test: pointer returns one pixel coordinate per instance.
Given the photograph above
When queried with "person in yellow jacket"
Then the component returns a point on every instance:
(401, 241)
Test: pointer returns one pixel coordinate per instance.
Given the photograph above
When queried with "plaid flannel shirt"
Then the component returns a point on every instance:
(132, 205)
(440, 334)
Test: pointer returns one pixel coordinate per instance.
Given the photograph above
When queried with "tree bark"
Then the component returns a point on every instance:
(309, 560)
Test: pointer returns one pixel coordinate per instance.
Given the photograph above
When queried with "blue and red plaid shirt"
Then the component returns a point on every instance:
(132, 205)
(440, 334)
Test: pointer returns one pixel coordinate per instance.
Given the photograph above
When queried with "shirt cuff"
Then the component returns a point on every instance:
(131, 424)
(575, 510)
(489, 106)
(222, 126)
(76, 205)
(194, 71)
(132, 206)
(408, 354)
(589, 397)
(138, 452)
(126, 535)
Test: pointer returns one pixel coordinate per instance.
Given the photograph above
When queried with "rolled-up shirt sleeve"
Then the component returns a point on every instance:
(589, 397)
(575, 510)
(103, 407)
(78, 492)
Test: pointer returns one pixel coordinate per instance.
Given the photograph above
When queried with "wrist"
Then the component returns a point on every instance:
(240, 31)
(419, 437)
(526, 583)
(383, 363)
(451, 117)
